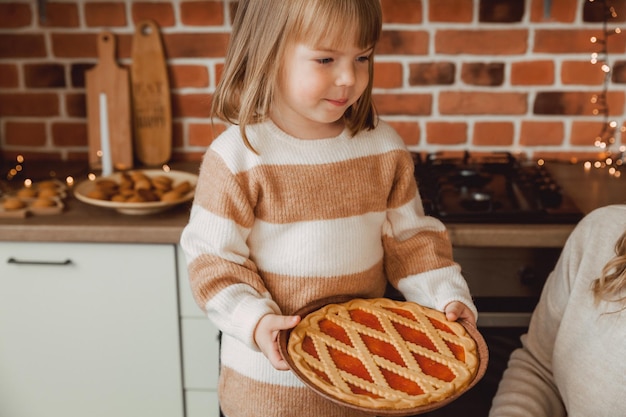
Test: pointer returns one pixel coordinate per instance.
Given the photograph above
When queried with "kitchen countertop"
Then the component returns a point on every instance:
(81, 222)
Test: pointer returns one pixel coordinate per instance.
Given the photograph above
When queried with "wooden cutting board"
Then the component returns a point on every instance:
(110, 79)
(151, 104)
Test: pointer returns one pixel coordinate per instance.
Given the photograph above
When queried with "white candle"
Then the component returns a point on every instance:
(105, 144)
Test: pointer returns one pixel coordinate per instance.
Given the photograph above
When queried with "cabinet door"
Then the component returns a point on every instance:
(89, 330)
(200, 343)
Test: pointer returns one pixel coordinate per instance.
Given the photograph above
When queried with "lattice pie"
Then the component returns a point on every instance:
(383, 354)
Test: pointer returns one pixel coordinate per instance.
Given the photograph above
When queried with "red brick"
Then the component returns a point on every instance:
(178, 135)
(203, 134)
(482, 42)
(394, 42)
(63, 15)
(74, 45)
(202, 13)
(195, 45)
(69, 134)
(563, 11)
(407, 104)
(541, 133)
(493, 134)
(388, 75)
(466, 103)
(29, 104)
(432, 73)
(85, 45)
(576, 103)
(402, 11)
(8, 76)
(219, 69)
(569, 41)
(162, 13)
(44, 75)
(501, 11)
(22, 46)
(105, 14)
(451, 11)
(15, 15)
(25, 134)
(232, 6)
(585, 133)
(446, 133)
(191, 105)
(409, 131)
(532, 73)
(582, 73)
(182, 76)
(596, 11)
(76, 105)
(484, 74)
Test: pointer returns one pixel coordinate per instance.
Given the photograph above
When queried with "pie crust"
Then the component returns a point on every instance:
(380, 354)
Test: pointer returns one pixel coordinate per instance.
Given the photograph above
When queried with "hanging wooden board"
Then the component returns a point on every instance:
(152, 115)
(109, 84)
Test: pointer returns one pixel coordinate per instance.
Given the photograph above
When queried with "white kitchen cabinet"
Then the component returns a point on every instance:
(89, 330)
(200, 351)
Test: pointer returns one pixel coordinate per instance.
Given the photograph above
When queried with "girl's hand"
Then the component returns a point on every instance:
(457, 310)
(266, 337)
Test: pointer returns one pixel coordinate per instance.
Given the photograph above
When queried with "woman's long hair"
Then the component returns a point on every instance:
(611, 285)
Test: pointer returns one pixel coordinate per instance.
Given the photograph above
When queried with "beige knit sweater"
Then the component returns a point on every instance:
(300, 221)
(573, 359)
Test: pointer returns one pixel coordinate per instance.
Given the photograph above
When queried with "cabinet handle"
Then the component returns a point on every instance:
(20, 262)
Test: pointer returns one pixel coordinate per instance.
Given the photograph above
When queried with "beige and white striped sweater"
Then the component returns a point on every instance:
(300, 221)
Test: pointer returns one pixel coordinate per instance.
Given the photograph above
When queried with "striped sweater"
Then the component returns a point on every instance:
(299, 221)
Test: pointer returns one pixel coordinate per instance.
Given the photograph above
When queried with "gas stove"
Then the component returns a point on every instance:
(491, 188)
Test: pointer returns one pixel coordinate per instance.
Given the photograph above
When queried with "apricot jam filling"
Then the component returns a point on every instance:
(349, 364)
(434, 369)
(335, 331)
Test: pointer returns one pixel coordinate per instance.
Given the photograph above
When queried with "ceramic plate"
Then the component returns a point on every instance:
(82, 190)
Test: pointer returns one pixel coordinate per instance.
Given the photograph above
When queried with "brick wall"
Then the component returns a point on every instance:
(478, 75)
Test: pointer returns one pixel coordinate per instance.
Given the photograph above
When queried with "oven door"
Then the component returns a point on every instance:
(505, 282)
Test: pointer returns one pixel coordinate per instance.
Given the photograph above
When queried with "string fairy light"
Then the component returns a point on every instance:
(613, 160)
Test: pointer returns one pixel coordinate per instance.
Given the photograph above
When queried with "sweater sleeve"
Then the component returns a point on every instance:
(528, 386)
(418, 252)
(224, 281)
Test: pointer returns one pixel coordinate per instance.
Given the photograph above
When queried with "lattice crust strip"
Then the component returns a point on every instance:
(422, 373)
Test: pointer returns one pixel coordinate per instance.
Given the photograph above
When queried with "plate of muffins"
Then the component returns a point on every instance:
(38, 198)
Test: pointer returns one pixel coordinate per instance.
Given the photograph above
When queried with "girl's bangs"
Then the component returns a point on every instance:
(328, 22)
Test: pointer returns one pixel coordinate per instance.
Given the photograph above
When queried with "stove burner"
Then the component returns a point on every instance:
(493, 188)
(477, 201)
(467, 177)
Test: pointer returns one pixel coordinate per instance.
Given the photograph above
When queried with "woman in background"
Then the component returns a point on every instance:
(571, 362)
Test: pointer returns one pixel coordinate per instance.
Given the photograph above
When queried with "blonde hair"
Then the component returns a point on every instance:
(262, 30)
(613, 278)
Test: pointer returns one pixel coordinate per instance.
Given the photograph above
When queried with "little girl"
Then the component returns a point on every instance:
(307, 196)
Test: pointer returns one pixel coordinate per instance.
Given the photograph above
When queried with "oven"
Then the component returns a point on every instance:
(505, 281)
